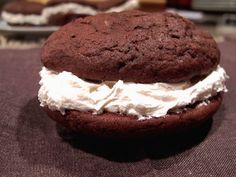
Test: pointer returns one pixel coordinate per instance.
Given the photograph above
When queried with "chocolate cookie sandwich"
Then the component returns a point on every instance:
(59, 12)
(131, 74)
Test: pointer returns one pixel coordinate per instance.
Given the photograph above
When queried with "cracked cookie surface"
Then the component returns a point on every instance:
(132, 46)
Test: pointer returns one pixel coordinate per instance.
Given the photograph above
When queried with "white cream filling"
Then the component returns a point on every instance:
(60, 91)
(64, 8)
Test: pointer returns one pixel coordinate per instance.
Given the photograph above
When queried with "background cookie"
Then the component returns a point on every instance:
(59, 12)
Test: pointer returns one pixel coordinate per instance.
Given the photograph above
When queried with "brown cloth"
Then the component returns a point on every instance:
(31, 144)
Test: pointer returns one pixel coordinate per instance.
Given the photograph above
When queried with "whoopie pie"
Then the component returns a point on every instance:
(59, 12)
(131, 74)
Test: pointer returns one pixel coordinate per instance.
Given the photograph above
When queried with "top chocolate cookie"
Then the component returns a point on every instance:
(133, 46)
(23, 7)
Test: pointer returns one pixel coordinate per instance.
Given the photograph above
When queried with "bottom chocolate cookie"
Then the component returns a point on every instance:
(111, 125)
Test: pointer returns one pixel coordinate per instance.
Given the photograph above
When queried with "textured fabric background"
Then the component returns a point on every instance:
(33, 145)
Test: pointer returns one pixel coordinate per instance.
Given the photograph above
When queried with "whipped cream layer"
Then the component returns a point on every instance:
(60, 91)
(64, 8)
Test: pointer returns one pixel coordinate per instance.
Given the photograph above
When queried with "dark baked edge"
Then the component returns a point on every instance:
(111, 125)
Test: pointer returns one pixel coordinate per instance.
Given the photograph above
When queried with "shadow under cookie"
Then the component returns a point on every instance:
(40, 143)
